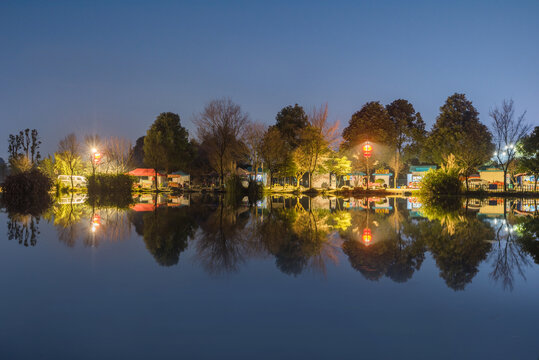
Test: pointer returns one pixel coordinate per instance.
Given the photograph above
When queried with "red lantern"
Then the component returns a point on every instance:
(367, 236)
(97, 157)
(367, 149)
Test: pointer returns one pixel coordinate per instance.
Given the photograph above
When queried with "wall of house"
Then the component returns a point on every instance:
(321, 181)
(491, 176)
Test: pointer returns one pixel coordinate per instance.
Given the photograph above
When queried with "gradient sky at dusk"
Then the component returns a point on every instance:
(111, 66)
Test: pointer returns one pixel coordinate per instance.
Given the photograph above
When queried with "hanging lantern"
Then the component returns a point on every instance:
(367, 236)
(367, 150)
(97, 157)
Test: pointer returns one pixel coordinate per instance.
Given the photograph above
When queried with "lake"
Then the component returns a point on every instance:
(197, 277)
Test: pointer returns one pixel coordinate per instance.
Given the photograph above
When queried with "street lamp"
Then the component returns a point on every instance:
(367, 150)
(95, 159)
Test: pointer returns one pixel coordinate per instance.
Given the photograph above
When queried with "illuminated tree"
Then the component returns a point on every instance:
(338, 164)
(68, 156)
(274, 151)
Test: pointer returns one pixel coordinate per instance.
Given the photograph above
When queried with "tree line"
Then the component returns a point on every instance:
(299, 143)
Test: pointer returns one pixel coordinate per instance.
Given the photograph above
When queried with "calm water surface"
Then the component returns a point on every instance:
(312, 278)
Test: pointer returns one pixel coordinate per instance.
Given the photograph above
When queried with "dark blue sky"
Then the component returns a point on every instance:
(110, 66)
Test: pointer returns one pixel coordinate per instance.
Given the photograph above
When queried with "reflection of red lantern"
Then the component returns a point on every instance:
(96, 221)
(367, 149)
(367, 236)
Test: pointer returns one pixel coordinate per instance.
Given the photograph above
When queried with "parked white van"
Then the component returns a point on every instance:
(78, 181)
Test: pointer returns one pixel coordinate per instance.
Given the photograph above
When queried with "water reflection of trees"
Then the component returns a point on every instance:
(308, 234)
(23, 228)
(457, 240)
(165, 231)
(91, 225)
(528, 231)
(222, 243)
(300, 237)
(24, 216)
(394, 251)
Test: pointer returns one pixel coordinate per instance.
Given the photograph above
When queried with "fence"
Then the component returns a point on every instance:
(499, 188)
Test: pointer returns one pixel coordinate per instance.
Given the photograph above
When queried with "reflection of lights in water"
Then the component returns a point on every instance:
(96, 221)
(367, 236)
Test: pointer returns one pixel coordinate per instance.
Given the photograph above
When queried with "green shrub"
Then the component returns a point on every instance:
(444, 181)
(27, 192)
(110, 190)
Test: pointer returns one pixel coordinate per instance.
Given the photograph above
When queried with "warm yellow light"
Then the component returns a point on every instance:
(94, 150)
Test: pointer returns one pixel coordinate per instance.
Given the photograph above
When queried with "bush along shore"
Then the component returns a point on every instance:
(110, 189)
(27, 192)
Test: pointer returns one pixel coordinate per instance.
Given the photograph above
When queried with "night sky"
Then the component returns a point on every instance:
(111, 66)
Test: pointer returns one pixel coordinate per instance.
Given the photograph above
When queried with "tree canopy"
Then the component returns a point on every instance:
(458, 131)
(166, 145)
(370, 123)
(529, 153)
(290, 121)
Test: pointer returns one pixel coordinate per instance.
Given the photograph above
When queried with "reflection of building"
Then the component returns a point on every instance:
(74, 198)
(148, 202)
(416, 174)
(493, 207)
(527, 205)
(177, 201)
(381, 205)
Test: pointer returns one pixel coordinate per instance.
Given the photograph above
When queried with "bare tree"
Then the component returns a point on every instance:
(254, 135)
(119, 154)
(507, 130)
(219, 127)
(69, 149)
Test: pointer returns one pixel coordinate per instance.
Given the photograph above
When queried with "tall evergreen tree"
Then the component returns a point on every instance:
(409, 130)
(370, 123)
(166, 145)
(290, 121)
(458, 131)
